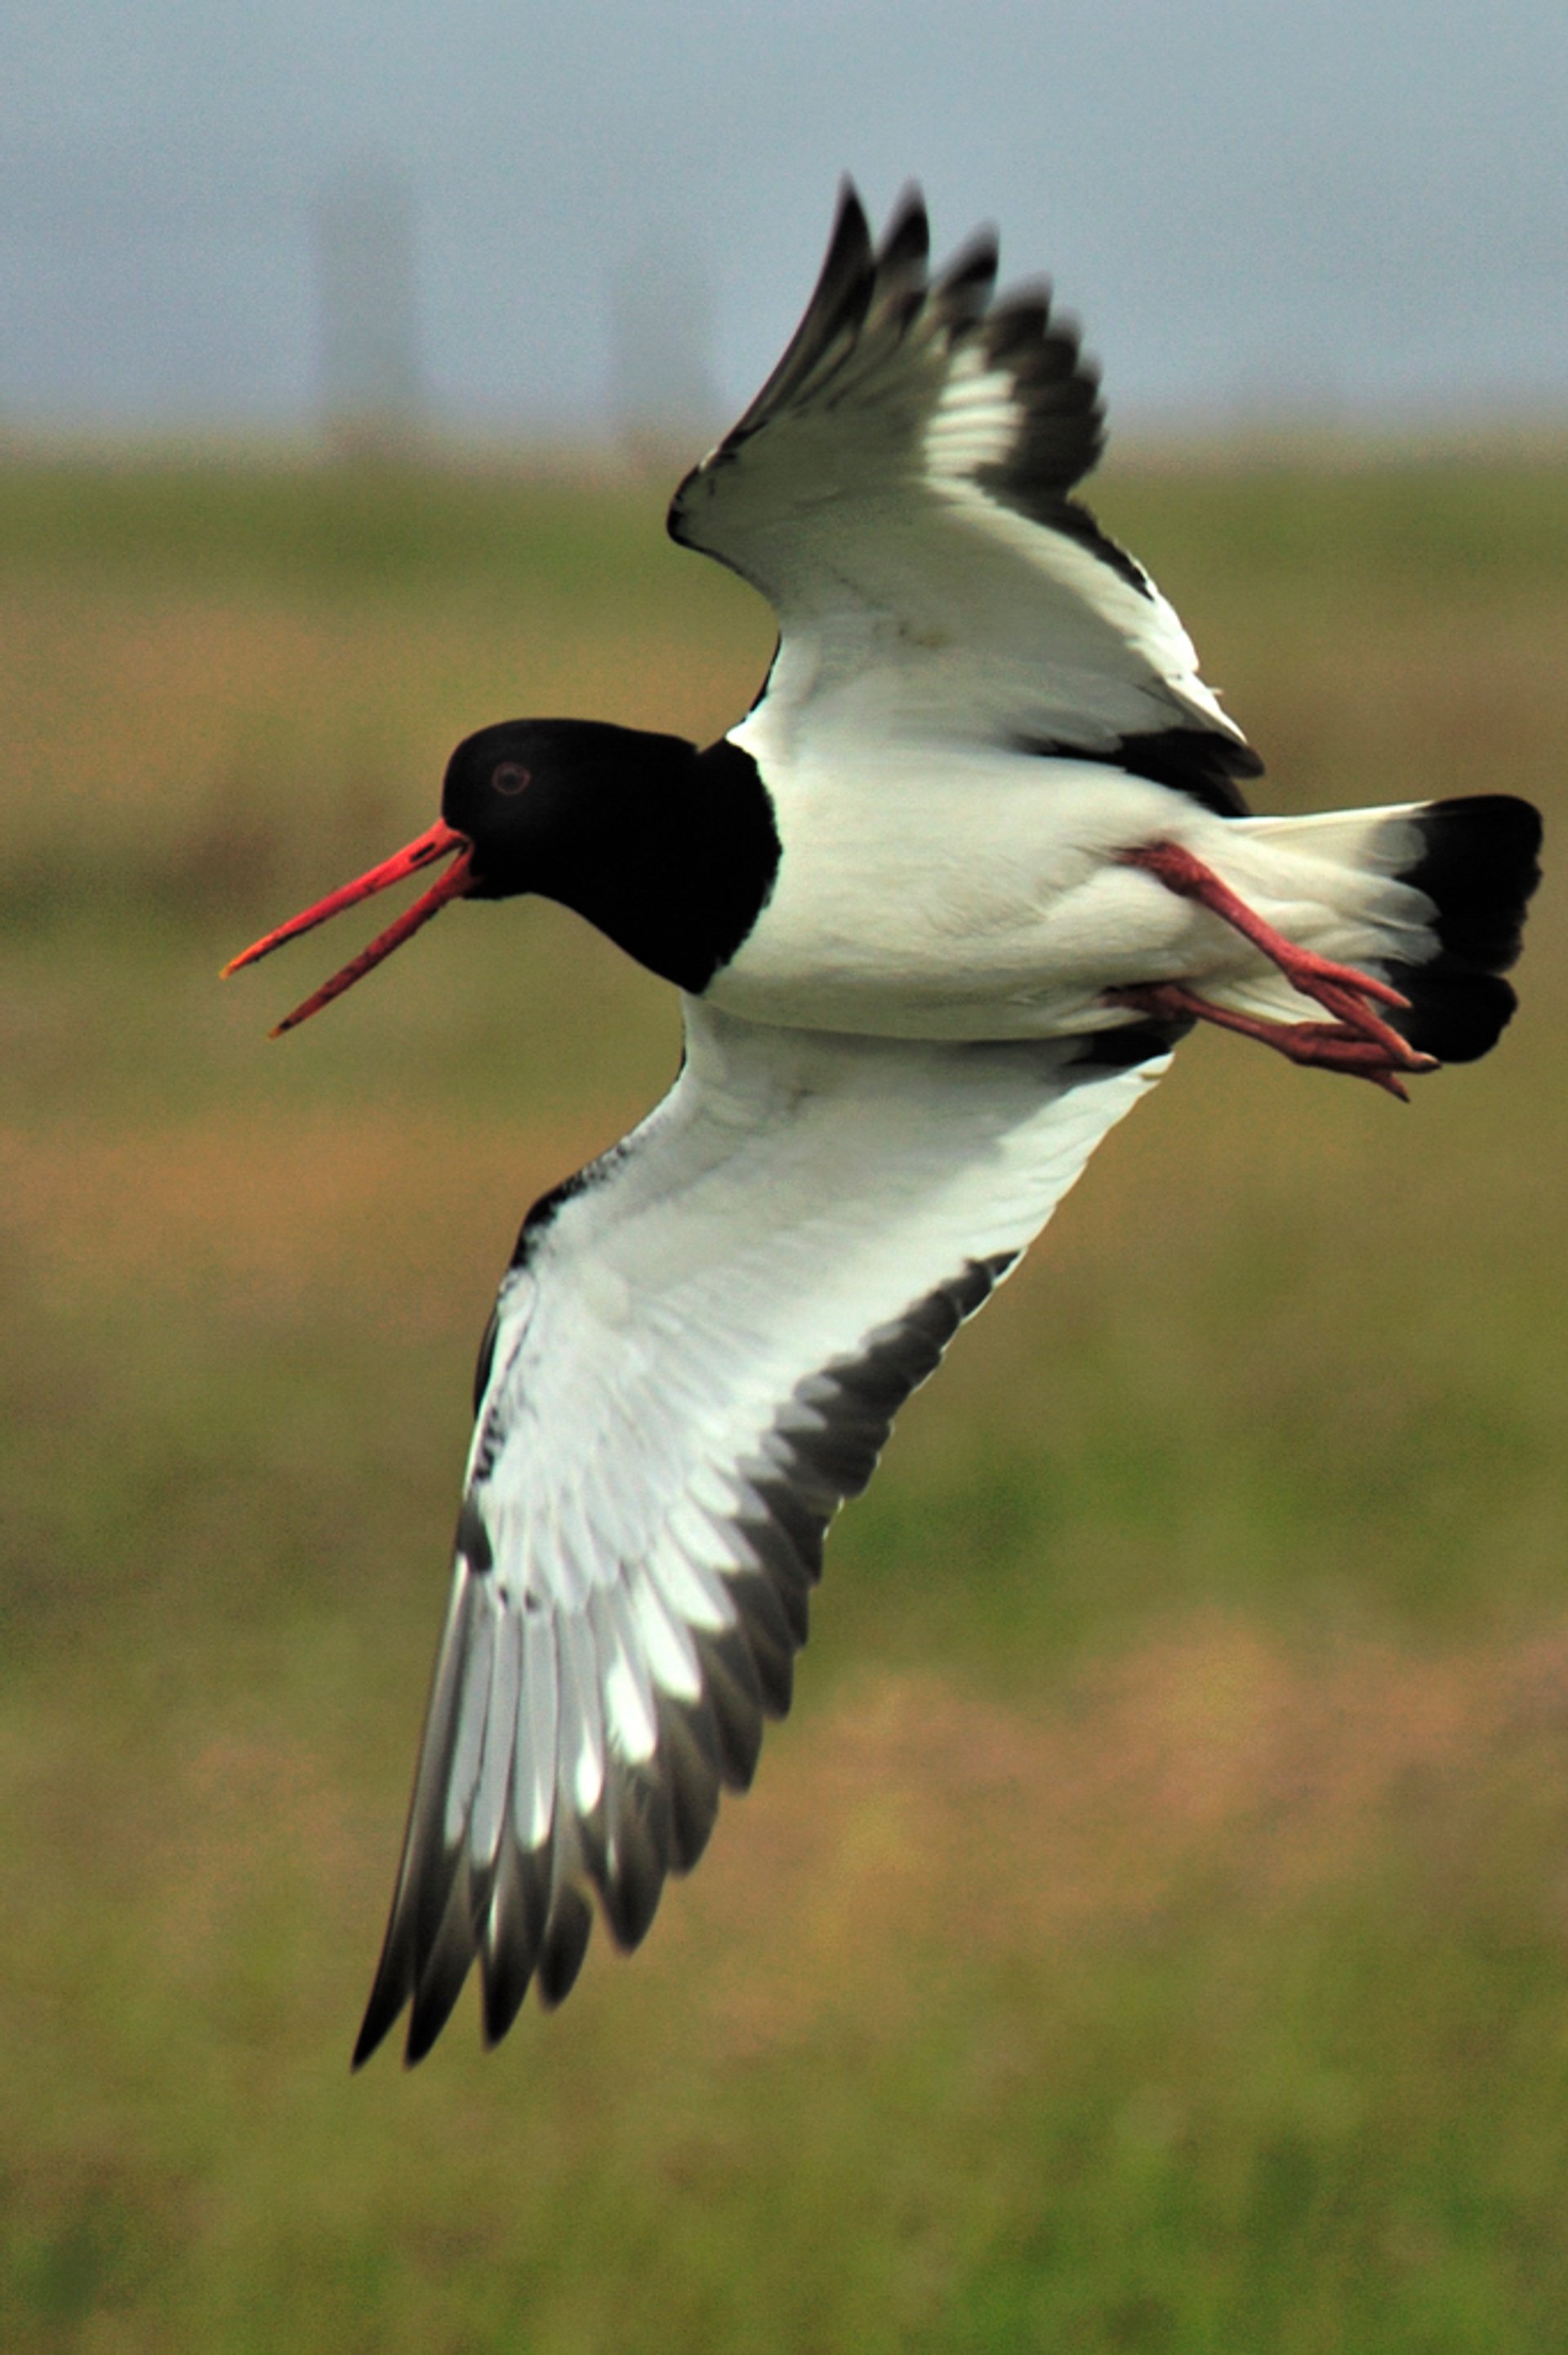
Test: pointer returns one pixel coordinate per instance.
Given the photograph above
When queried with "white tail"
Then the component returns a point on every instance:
(1427, 895)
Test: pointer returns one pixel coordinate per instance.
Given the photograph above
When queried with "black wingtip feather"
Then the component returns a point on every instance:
(565, 1944)
(387, 1998)
(802, 1523)
(839, 302)
(637, 1854)
(771, 1639)
(441, 1976)
(688, 1744)
(734, 1695)
(840, 1459)
(787, 1580)
(393, 1981)
(518, 1906)
(429, 1867)
(529, 1917)
(849, 252)
(907, 241)
(505, 1989)
(964, 288)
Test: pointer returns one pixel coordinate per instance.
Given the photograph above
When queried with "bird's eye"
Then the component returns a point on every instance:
(509, 777)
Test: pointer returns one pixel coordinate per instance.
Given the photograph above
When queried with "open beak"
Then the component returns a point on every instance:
(437, 843)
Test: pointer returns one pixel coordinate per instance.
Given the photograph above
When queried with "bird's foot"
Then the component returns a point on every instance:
(1332, 1046)
(1357, 1039)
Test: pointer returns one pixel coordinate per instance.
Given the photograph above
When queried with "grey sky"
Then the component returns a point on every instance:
(1359, 206)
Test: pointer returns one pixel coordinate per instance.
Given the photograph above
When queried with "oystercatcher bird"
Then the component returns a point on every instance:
(940, 907)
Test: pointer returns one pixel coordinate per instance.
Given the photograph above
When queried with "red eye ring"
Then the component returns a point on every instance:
(509, 777)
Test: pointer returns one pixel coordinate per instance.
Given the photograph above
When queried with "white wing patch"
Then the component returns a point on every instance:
(797, 1232)
(1144, 622)
(977, 421)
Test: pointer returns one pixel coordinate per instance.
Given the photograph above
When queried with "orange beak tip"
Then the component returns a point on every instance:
(439, 841)
(252, 955)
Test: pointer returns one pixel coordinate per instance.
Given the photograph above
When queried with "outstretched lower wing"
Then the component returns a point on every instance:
(901, 491)
(697, 1356)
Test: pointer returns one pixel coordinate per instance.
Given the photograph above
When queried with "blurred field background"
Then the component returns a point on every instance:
(1151, 1931)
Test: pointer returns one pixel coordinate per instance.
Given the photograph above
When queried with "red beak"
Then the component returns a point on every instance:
(437, 843)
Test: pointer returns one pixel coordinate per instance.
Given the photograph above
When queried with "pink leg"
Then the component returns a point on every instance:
(1327, 1044)
(1357, 1040)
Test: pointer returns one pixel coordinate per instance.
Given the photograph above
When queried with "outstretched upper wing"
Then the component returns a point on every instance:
(900, 490)
(697, 1356)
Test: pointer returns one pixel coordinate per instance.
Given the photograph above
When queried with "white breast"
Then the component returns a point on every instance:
(957, 893)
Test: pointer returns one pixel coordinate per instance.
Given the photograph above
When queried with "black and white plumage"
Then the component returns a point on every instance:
(696, 1358)
(940, 907)
(900, 492)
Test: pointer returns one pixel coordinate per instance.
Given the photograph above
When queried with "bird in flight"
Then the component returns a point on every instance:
(940, 907)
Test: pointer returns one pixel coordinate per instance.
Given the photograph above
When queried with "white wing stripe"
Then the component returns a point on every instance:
(581, 1738)
(671, 1655)
(691, 1590)
(631, 1731)
(534, 1792)
(471, 1711)
(499, 1740)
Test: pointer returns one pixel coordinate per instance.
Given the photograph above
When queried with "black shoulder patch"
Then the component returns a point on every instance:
(1197, 761)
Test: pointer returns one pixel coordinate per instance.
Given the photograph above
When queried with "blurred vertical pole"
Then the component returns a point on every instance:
(372, 384)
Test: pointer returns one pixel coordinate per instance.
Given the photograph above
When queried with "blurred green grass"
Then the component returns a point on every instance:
(1151, 1930)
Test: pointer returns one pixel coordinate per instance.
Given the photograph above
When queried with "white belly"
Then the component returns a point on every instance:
(980, 901)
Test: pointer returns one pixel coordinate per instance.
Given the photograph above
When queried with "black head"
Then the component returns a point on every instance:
(547, 803)
(670, 851)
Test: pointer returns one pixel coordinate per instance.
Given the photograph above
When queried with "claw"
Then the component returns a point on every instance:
(1329, 1046)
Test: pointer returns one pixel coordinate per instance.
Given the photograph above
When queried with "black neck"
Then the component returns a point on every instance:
(679, 859)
